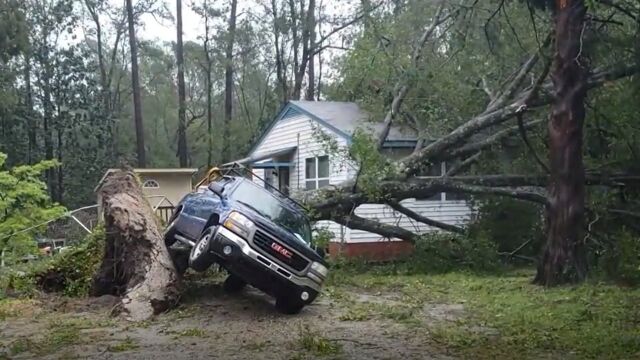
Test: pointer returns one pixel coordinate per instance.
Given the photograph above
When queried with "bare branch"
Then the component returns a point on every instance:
(462, 166)
(489, 141)
(523, 134)
(487, 90)
(510, 90)
(402, 88)
(413, 163)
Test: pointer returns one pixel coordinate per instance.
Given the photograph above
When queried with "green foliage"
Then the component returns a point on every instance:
(125, 345)
(61, 334)
(78, 265)
(372, 164)
(509, 224)
(443, 252)
(620, 259)
(316, 344)
(191, 332)
(24, 203)
(69, 272)
(322, 236)
(434, 253)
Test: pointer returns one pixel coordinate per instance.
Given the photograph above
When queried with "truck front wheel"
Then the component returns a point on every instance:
(200, 259)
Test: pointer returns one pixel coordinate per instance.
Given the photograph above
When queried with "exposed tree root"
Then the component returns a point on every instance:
(136, 264)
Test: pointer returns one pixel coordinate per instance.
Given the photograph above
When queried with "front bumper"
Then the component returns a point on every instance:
(257, 270)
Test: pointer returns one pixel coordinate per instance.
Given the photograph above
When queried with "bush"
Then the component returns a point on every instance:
(620, 260)
(510, 223)
(444, 252)
(434, 253)
(69, 272)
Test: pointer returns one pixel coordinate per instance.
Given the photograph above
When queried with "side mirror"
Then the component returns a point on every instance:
(217, 188)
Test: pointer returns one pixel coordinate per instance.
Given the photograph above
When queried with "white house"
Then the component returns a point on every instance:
(292, 156)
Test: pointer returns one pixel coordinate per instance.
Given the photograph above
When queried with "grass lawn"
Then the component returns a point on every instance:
(504, 316)
(385, 308)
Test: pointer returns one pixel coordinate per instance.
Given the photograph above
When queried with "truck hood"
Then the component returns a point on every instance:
(282, 234)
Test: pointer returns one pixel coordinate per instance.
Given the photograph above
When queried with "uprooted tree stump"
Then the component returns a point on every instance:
(136, 264)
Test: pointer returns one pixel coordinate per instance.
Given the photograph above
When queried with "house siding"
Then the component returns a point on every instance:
(300, 131)
(285, 134)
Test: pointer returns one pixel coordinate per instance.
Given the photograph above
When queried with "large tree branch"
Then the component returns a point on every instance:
(489, 141)
(413, 163)
(356, 222)
(423, 219)
(464, 165)
(515, 84)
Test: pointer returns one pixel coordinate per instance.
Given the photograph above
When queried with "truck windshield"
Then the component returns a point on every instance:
(270, 207)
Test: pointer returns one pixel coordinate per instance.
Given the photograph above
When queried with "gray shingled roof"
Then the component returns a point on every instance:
(347, 117)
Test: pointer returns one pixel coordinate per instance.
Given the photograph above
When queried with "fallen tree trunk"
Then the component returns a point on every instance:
(136, 263)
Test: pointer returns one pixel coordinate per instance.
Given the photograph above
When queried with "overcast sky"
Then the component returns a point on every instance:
(192, 23)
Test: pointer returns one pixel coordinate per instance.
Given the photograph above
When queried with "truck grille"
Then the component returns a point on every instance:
(264, 242)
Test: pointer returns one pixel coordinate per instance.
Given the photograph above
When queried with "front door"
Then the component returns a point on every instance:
(283, 180)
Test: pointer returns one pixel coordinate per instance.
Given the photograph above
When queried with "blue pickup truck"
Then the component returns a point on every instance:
(260, 236)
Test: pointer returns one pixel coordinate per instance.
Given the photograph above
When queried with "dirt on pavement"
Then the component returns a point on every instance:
(210, 324)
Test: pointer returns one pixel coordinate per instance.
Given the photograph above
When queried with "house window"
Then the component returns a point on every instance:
(316, 172)
(150, 184)
(438, 171)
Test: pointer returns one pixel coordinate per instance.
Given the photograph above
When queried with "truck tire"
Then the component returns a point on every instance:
(200, 258)
(287, 306)
(233, 284)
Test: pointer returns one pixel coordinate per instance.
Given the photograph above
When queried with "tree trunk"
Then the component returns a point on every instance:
(135, 84)
(31, 124)
(91, 7)
(311, 71)
(47, 124)
(209, 85)
(183, 152)
(280, 71)
(136, 263)
(60, 171)
(228, 83)
(297, 77)
(564, 259)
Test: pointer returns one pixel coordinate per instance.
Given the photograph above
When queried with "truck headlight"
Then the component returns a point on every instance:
(320, 269)
(239, 224)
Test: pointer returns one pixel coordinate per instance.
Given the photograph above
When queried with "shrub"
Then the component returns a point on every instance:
(620, 259)
(24, 204)
(510, 223)
(434, 252)
(69, 272)
(444, 252)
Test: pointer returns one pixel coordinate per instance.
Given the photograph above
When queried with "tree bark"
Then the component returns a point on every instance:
(135, 84)
(136, 263)
(564, 258)
(183, 151)
(47, 123)
(32, 126)
(311, 71)
(91, 7)
(209, 86)
(228, 83)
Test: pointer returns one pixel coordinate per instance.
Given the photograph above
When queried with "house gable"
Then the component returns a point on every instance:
(290, 111)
